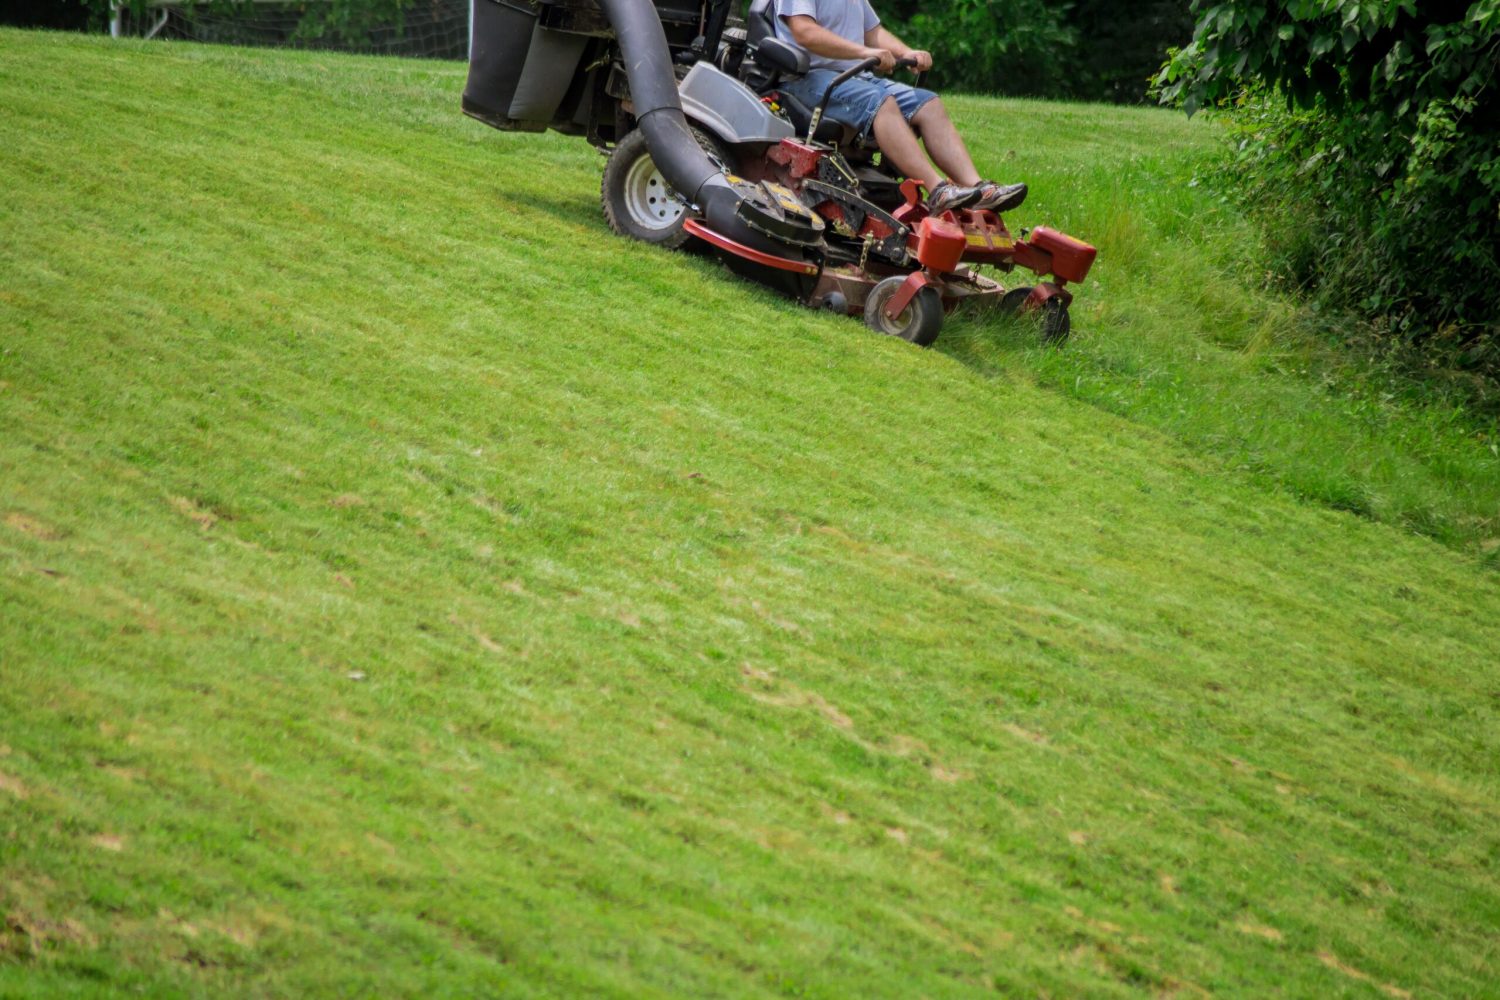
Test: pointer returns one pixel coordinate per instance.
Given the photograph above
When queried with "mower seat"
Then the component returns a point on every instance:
(830, 129)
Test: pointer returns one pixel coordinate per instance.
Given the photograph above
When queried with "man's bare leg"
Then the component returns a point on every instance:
(898, 143)
(944, 144)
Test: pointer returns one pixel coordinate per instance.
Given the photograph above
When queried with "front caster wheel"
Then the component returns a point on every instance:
(919, 322)
(1051, 319)
(1055, 322)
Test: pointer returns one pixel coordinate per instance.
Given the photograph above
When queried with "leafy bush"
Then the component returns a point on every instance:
(1121, 46)
(347, 24)
(1086, 49)
(986, 46)
(1369, 133)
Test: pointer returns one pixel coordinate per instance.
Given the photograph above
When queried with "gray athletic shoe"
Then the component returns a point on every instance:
(999, 197)
(948, 196)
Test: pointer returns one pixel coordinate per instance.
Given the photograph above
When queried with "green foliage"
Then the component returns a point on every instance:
(987, 46)
(1388, 178)
(1121, 46)
(348, 23)
(341, 24)
(1387, 57)
(1087, 49)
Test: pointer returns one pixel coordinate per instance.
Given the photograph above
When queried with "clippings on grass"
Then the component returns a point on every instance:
(28, 525)
(483, 639)
(13, 786)
(1331, 960)
(1258, 930)
(129, 775)
(951, 938)
(1025, 734)
(838, 816)
(1102, 926)
(794, 697)
(26, 935)
(786, 695)
(190, 510)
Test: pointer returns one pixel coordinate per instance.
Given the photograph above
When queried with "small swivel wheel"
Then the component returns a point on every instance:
(919, 322)
(1055, 322)
(1052, 318)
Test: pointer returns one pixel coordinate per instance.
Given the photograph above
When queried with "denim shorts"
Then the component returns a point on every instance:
(856, 101)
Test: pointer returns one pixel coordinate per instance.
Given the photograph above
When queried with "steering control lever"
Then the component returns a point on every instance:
(848, 74)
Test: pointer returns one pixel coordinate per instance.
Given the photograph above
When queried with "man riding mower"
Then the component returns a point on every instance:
(838, 34)
(709, 140)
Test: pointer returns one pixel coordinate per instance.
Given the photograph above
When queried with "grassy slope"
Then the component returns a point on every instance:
(405, 586)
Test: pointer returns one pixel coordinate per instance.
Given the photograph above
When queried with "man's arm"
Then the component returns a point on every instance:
(879, 38)
(818, 40)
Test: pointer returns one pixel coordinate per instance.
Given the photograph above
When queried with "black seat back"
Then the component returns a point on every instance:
(771, 58)
(760, 21)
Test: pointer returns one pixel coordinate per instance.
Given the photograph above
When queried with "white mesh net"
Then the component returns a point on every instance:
(433, 29)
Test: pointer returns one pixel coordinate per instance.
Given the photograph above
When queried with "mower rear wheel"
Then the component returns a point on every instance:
(637, 200)
(919, 322)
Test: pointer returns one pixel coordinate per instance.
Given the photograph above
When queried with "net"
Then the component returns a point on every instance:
(432, 29)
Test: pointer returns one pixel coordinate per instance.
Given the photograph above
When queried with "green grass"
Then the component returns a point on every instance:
(407, 588)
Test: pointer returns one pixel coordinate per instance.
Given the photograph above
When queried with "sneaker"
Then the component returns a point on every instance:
(948, 196)
(999, 197)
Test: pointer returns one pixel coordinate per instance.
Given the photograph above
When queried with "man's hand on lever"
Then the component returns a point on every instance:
(887, 59)
(890, 60)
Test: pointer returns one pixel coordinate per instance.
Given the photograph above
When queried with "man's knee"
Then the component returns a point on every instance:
(888, 118)
(930, 113)
(887, 109)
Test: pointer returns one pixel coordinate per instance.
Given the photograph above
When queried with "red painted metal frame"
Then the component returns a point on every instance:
(701, 231)
(914, 283)
(987, 241)
(1045, 290)
(798, 157)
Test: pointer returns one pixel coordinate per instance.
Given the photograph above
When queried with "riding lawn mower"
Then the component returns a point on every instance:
(703, 145)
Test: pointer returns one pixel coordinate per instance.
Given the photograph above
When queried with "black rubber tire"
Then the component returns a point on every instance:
(1056, 324)
(1052, 318)
(637, 200)
(1011, 302)
(918, 323)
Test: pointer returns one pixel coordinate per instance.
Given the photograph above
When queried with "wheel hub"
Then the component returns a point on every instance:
(649, 199)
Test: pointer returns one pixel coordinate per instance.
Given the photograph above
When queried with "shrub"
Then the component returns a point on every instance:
(1086, 49)
(1370, 134)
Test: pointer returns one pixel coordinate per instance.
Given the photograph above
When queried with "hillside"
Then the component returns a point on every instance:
(407, 587)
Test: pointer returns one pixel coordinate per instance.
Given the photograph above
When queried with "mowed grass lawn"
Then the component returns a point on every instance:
(407, 587)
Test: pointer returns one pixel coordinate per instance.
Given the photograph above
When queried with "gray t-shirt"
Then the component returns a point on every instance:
(846, 18)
